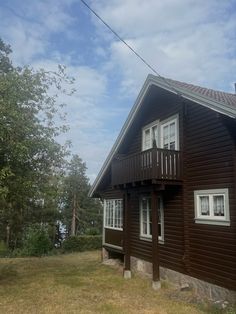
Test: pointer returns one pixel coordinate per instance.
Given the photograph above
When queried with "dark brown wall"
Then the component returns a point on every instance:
(111, 193)
(207, 252)
(210, 152)
(161, 107)
(114, 237)
(171, 252)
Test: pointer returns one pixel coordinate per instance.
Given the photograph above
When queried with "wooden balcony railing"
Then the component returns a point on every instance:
(155, 163)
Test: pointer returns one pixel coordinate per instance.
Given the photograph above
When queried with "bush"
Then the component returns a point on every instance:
(82, 243)
(36, 241)
(92, 231)
(3, 249)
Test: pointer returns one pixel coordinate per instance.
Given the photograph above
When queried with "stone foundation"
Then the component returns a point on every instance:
(202, 288)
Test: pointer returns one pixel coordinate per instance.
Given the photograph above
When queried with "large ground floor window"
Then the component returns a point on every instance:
(113, 214)
(146, 218)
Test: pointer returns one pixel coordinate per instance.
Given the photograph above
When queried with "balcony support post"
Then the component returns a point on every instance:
(126, 227)
(156, 284)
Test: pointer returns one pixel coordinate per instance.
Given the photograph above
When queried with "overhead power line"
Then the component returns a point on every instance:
(131, 48)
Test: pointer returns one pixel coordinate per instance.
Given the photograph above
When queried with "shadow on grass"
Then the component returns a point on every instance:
(8, 274)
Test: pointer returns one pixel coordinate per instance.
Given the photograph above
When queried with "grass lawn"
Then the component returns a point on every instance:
(79, 283)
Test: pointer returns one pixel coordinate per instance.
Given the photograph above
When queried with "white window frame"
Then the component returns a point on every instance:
(114, 214)
(150, 127)
(211, 218)
(160, 127)
(167, 122)
(148, 236)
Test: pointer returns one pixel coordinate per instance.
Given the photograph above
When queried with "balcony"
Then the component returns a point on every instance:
(154, 164)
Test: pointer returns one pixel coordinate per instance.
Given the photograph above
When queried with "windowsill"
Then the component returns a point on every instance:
(113, 228)
(212, 222)
(148, 239)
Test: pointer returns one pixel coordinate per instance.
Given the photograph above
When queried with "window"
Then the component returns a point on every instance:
(169, 134)
(162, 134)
(150, 136)
(146, 218)
(212, 206)
(113, 211)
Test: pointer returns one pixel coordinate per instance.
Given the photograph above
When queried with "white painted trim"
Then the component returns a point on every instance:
(148, 237)
(113, 228)
(167, 121)
(211, 219)
(104, 214)
(160, 82)
(113, 246)
(150, 126)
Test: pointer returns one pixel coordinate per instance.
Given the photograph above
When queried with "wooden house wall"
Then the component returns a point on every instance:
(172, 250)
(207, 252)
(209, 164)
(111, 236)
(160, 108)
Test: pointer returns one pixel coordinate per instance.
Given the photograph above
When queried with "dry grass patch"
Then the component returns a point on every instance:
(79, 283)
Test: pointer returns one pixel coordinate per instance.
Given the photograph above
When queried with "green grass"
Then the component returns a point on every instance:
(79, 283)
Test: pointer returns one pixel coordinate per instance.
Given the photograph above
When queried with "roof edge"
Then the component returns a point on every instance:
(162, 83)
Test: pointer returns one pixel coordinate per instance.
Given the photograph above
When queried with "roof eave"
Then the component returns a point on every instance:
(162, 83)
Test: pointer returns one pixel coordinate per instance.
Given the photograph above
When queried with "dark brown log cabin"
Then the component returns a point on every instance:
(169, 183)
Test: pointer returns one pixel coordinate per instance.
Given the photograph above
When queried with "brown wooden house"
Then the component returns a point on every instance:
(169, 185)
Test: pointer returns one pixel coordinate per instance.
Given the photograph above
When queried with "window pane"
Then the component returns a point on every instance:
(150, 228)
(147, 139)
(144, 203)
(107, 214)
(111, 214)
(169, 135)
(159, 230)
(149, 203)
(172, 131)
(218, 205)
(172, 145)
(159, 218)
(144, 223)
(150, 219)
(204, 205)
(114, 213)
(166, 136)
(145, 228)
(144, 212)
(154, 136)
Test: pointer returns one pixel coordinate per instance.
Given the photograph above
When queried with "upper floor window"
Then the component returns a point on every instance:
(212, 206)
(163, 134)
(150, 136)
(146, 218)
(113, 214)
(169, 134)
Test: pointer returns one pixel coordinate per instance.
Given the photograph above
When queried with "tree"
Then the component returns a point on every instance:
(31, 161)
(80, 213)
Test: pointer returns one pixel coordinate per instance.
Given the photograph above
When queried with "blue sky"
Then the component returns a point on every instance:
(187, 40)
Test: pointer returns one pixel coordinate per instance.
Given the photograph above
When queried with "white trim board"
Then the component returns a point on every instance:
(162, 83)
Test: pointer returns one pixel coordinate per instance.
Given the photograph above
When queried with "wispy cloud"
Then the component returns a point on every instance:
(188, 40)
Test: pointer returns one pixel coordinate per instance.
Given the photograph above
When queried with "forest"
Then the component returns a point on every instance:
(43, 186)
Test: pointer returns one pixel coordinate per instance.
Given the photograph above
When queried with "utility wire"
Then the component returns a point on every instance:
(135, 52)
